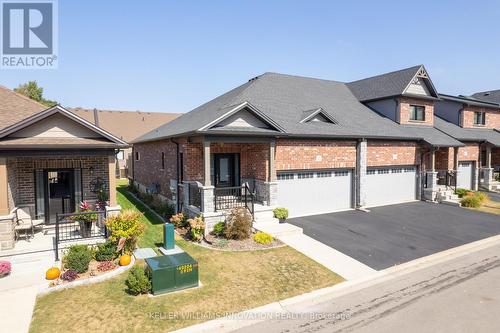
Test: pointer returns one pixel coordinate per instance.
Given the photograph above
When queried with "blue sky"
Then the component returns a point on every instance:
(171, 56)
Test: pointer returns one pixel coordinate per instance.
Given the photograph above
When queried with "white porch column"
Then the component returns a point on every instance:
(361, 166)
(4, 187)
(112, 180)
(488, 179)
(206, 163)
(431, 177)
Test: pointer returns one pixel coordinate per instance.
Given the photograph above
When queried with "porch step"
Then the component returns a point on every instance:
(277, 229)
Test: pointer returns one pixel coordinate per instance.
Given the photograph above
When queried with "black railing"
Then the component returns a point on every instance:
(447, 178)
(226, 198)
(79, 226)
(194, 195)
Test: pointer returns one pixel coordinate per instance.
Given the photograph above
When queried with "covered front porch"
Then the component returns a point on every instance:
(38, 189)
(235, 171)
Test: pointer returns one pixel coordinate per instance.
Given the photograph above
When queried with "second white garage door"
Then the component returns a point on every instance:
(386, 186)
(315, 192)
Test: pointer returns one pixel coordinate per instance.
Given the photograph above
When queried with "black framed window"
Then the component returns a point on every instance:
(163, 161)
(417, 112)
(137, 156)
(479, 118)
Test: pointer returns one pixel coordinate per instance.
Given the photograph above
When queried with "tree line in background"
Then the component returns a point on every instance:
(33, 91)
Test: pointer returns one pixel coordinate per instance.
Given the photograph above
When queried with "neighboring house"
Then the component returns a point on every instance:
(50, 160)
(126, 125)
(313, 146)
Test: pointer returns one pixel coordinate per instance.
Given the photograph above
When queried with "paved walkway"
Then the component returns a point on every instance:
(332, 259)
(18, 291)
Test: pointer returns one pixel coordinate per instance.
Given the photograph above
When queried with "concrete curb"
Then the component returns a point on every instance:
(95, 279)
(259, 314)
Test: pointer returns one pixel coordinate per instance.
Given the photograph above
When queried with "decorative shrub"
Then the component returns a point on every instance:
(5, 268)
(263, 238)
(238, 224)
(473, 199)
(132, 188)
(221, 243)
(78, 258)
(105, 266)
(461, 192)
(138, 281)
(178, 220)
(147, 198)
(219, 228)
(481, 196)
(69, 275)
(106, 251)
(164, 209)
(126, 225)
(280, 213)
(196, 227)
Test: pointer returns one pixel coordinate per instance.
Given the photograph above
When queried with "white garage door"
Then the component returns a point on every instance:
(464, 179)
(315, 192)
(386, 186)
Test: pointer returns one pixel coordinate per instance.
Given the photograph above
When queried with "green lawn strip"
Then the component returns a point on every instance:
(231, 282)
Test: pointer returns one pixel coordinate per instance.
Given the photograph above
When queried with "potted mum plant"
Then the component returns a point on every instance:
(281, 214)
(85, 220)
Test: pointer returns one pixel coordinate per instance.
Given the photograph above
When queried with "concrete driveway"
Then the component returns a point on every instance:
(395, 234)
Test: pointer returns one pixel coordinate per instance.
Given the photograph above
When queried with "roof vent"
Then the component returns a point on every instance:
(96, 117)
(486, 93)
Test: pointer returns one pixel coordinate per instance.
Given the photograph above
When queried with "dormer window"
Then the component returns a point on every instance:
(417, 113)
(479, 118)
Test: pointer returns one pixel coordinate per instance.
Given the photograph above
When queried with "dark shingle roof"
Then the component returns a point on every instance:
(384, 85)
(284, 99)
(467, 134)
(468, 101)
(492, 96)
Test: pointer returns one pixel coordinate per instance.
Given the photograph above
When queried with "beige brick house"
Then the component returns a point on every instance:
(316, 146)
(50, 161)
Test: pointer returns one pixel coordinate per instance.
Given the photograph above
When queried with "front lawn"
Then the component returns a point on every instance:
(231, 282)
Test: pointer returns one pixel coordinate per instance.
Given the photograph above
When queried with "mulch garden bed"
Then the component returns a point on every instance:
(221, 243)
(91, 272)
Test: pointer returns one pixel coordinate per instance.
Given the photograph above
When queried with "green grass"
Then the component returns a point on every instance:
(231, 282)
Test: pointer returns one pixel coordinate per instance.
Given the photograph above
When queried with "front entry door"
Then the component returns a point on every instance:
(224, 170)
(61, 193)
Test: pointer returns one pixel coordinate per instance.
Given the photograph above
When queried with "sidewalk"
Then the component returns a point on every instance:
(18, 291)
(345, 266)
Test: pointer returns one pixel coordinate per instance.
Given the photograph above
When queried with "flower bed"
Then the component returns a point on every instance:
(248, 244)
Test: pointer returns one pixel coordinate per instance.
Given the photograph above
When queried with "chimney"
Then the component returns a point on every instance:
(96, 117)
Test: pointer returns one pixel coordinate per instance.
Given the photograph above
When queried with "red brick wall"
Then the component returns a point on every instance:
(254, 157)
(26, 166)
(469, 153)
(492, 117)
(385, 153)
(314, 154)
(495, 157)
(444, 158)
(148, 169)
(404, 111)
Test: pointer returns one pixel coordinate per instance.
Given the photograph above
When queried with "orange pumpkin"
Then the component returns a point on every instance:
(125, 260)
(52, 273)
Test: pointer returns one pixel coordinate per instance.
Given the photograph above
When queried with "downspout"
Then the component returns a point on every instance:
(177, 173)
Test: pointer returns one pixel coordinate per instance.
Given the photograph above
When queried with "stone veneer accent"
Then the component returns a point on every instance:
(7, 223)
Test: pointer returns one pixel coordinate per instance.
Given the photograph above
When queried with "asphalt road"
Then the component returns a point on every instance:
(460, 295)
(395, 234)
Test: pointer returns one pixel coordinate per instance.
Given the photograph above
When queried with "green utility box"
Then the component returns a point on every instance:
(168, 236)
(173, 272)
